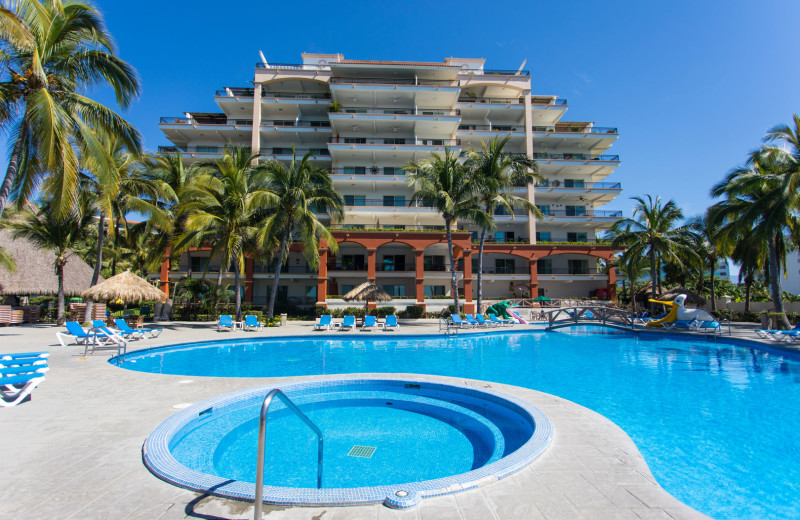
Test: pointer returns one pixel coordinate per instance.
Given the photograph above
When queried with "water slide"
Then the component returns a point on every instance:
(516, 316)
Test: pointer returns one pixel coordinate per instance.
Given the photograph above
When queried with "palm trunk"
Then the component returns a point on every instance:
(713, 292)
(219, 275)
(13, 168)
(237, 282)
(479, 309)
(278, 265)
(775, 284)
(115, 223)
(748, 282)
(60, 274)
(98, 264)
(453, 280)
(652, 280)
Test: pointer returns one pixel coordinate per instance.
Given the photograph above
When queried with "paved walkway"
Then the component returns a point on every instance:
(74, 450)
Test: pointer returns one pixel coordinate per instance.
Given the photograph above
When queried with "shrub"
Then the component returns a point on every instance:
(319, 310)
(382, 312)
(413, 312)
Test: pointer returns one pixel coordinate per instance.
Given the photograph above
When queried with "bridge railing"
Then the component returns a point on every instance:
(590, 314)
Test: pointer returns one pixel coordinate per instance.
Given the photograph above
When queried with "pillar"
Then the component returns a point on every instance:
(322, 278)
(612, 281)
(163, 278)
(249, 269)
(534, 281)
(469, 305)
(419, 259)
(529, 152)
(255, 143)
(371, 264)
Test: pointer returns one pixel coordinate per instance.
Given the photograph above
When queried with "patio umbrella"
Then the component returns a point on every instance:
(367, 292)
(126, 287)
(542, 299)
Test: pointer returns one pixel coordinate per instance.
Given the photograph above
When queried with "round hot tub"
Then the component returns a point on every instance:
(385, 440)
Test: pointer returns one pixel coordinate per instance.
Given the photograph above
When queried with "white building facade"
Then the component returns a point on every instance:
(364, 121)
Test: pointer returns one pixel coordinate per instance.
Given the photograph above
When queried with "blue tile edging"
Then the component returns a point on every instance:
(158, 459)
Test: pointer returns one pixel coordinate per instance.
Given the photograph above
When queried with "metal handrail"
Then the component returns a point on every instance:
(262, 429)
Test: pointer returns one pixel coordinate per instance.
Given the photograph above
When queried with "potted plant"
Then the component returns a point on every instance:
(334, 107)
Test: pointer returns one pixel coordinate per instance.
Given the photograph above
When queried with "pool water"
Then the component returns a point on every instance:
(718, 424)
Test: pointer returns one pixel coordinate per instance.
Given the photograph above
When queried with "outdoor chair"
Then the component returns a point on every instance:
(369, 323)
(471, 320)
(325, 322)
(348, 323)
(493, 317)
(390, 323)
(225, 322)
(680, 325)
(23, 358)
(126, 329)
(75, 333)
(456, 321)
(482, 321)
(709, 327)
(778, 335)
(113, 339)
(251, 322)
(15, 389)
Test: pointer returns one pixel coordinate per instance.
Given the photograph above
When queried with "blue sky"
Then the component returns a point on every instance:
(691, 85)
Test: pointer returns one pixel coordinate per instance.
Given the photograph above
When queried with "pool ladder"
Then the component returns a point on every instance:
(262, 433)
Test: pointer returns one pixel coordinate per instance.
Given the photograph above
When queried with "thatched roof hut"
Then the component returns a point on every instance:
(692, 298)
(367, 291)
(35, 274)
(126, 287)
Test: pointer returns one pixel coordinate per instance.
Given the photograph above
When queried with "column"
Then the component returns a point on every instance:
(255, 143)
(529, 153)
(419, 259)
(534, 282)
(322, 278)
(371, 264)
(249, 269)
(163, 278)
(612, 281)
(469, 305)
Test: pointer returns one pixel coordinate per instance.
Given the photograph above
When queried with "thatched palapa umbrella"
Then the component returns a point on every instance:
(126, 287)
(367, 292)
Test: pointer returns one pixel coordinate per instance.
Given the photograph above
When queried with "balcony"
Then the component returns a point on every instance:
(286, 269)
(320, 153)
(277, 124)
(579, 186)
(395, 81)
(397, 111)
(235, 92)
(571, 271)
(383, 203)
(574, 157)
(490, 128)
(394, 141)
(603, 213)
(290, 66)
(392, 228)
(495, 72)
(576, 130)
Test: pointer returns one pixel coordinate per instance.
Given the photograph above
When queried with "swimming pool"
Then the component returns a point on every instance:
(384, 441)
(716, 423)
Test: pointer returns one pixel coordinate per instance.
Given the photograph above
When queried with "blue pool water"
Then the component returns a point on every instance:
(718, 424)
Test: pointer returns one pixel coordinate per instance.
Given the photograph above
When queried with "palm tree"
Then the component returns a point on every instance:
(300, 191)
(7, 261)
(223, 205)
(760, 205)
(54, 50)
(497, 173)
(47, 230)
(633, 267)
(443, 183)
(712, 244)
(654, 232)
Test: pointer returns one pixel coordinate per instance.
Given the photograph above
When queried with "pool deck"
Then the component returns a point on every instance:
(74, 450)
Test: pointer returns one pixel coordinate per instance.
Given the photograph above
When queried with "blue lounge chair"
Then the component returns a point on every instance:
(778, 335)
(324, 322)
(225, 322)
(471, 320)
(16, 388)
(456, 321)
(23, 358)
(493, 317)
(482, 321)
(712, 327)
(390, 323)
(75, 333)
(126, 329)
(251, 322)
(369, 323)
(18, 371)
(681, 325)
(348, 323)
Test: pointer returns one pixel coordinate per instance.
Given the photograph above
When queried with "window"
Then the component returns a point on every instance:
(395, 290)
(501, 210)
(576, 211)
(353, 263)
(394, 262)
(355, 170)
(544, 209)
(355, 140)
(311, 291)
(578, 266)
(504, 265)
(199, 263)
(393, 170)
(431, 291)
(543, 236)
(544, 266)
(355, 200)
(397, 201)
(573, 183)
(433, 263)
(393, 140)
(283, 292)
(281, 151)
(504, 236)
(346, 288)
(207, 149)
(576, 237)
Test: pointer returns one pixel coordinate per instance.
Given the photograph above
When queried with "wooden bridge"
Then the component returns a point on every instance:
(590, 315)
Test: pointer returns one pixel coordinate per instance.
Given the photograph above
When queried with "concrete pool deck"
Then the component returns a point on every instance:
(74, 450)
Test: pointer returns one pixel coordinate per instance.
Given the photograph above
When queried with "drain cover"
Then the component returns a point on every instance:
(362, 451)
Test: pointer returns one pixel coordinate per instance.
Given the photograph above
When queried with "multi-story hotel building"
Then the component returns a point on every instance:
(365, 120)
